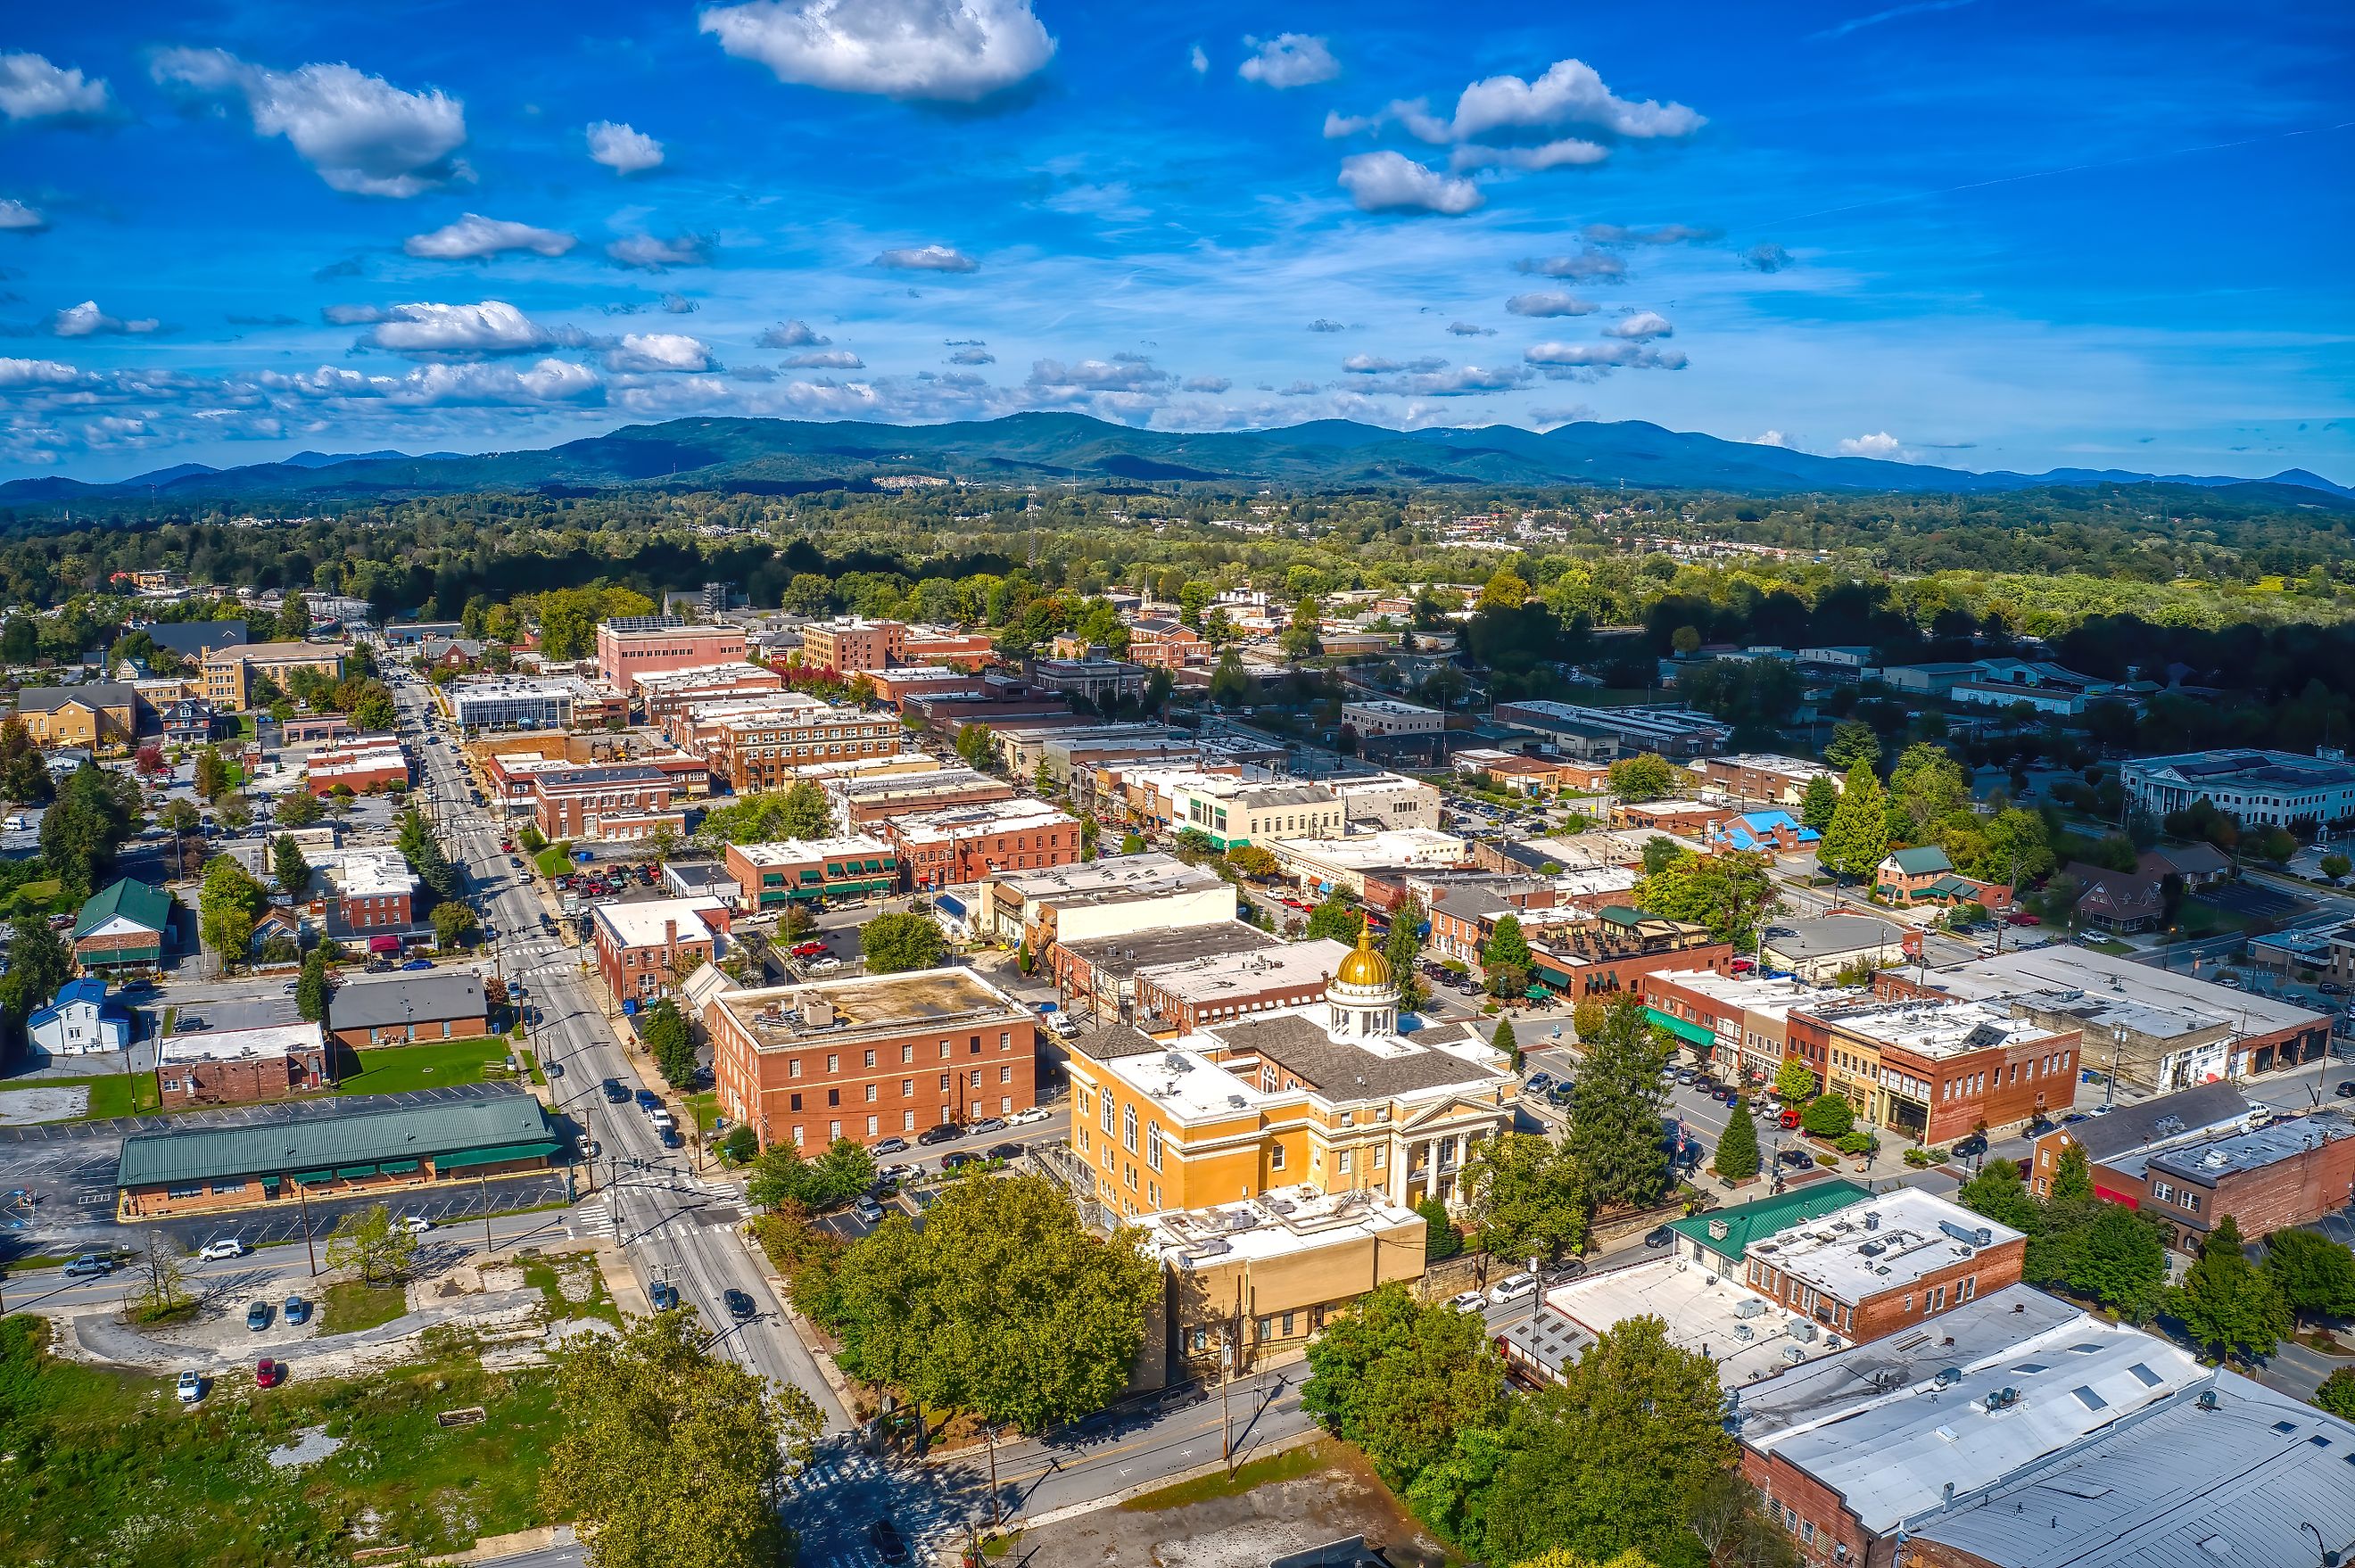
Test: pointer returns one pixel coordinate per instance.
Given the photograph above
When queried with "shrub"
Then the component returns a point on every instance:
(1827, 1116)
(1918, 1158)
(1856, 1142)
(1827, 1160)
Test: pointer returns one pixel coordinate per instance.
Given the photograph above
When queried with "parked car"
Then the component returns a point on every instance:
(669, 1136)
(416, 1224)
(89, 1265)
(866, 1210)
(614, 1093)
(415, 964)
(648, 1100)
(2345, 1089)
(188, 1023)
(225, 1247)
(1025, 1117)
(268, 1373)
(945, 1132)
(1787, 1120)
(885, 1538)
(1003, 1151)
(665, 1295)
(987, 1124)
(1469, 1301)
(958, 1160)
(808, 949)
(257, 1315)
(1511, 1286)
(895, 1175)
(290, 987)
(890, 1146)
(297, 1311)
(1659, 1236)
(738, 1304)
(1968, 1147)
(2019, 917)
(191, 1387)
(1797, 1156)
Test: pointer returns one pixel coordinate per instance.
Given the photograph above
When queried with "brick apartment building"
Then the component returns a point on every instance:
(759, 752)
(645, 949)
(369, 891)
(965, 843)
(649, 645)
(1895, 1261)
(1936, 1071)
(874, 1057)
(363, 764)
(866, 802)
(234, 1067)
(1611, 953)
(622, 804)
(852, 643)
(770, 875)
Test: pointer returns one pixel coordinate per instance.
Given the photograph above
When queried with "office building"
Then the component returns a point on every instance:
(770, 875)
(649, 645)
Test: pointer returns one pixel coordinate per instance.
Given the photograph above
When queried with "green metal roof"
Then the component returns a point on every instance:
(133, 901)
(1921, 860)
(316, 1144)
(1680, 1027)
(1756, 1221)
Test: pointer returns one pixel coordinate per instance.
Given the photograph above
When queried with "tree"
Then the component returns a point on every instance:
(1737, 1147)
(38, 963)
(1857, 839)
(1645, 777)
(1926, 790)
(1816, 805)
(2337, 1393)
(1506, 590)
(1853, 742)
(673, 1454)
(161, 1288)
(1998, 1192)
(311, 988)
(1827, 1116)
(839, 1174)
(2074, 1178)
(212, 774)
(288, 868)
(1504, 1040)
(804, 812)
(453, 925)
(1252, 862)
(2118, 1256)
(779, 1176)
(2335, 865)
(2226, 1303)
(741, 1144)
(1728, 892)
(1003, 1304)
(1505, 957)
(904, 940)
(1588, 1017)
(1231, 685)
(23, 780)
(1441, 1239)
(1335, 920)
(1795, 1080)
(1399, 1378)
(369, 1241)
(667, 1041)
(1403, 948)
(2314, 1275)
(83, 831)
(1615, 1105)
(1523, 1198)
(228, 904)
(299, 808)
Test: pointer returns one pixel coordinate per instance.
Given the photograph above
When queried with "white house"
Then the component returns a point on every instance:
(81, 1022)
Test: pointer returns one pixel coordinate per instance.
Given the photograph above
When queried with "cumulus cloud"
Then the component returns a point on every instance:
(18, 219)
(1212, 384)
(1300, 390)
(950, 51)
(1640, 327)
(364, 135)
(1121, 373)
(19, 373)
(623, 149)
(1665, 234)
(1879, 444)
(1199, 62)
(678, 305)
(1571, 92)
(1549, 418)
(1467, 329)
(1462, 381)
(1775, 438)
(928, 259)
(1288, 59)
(1587, 266)
(1374, 365)
(428, 386)
(1549, 302)
(1571, 151)
(1573, 357)
(657, 351)
(32, 89)
(1391, 182)
(494, 327)
(647, 254)
(474, 237)
(1324, 324)
(1337, 124)
(827, 359)
(86, 320)
(1766, 257)
(792, 335)
(972, 354)
(354, 314)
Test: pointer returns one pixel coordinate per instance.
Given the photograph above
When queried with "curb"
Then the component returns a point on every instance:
(1127, 1494)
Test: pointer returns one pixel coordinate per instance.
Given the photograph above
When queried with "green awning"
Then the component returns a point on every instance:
(500, 1154)
(313, 1177)
(352, 1171)
(1682, 1030)
(270, 1182)
(395, 1166)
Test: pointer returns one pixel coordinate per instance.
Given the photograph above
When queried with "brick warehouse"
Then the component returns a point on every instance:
(761, 751)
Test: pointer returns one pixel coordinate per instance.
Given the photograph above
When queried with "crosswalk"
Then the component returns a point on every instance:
(926, 1515)
(719, 1205)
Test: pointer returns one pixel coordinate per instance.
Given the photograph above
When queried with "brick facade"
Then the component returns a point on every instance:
(241, 1079)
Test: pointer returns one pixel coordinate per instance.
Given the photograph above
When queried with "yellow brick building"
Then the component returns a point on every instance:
(229, 673)
(100, 717)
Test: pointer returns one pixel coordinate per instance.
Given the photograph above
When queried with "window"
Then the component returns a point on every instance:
(794, 1067)
(832, 1064)
(1128, 1128)
(1275, 1156)
(871, 1058)
(1006, 1075)
(1346, 1157)
(944, 1082)
(871, 1094)
(975, 1080)
(907, 1054)
(1381, 1156)
(833, 1131)
(907, 1121)
(907, 1088)
(1005, 1039)
(797, 1134)
(795, 1100)
(872, 1127)
(1287, 1324)
(944, 1049)
(1153, 1146)
(1106, 1098)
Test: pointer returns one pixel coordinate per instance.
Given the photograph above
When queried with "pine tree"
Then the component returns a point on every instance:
(1857, 838)
(1816, 806)
(1503, 1040)
(2227, 1303)
(1737, 1147)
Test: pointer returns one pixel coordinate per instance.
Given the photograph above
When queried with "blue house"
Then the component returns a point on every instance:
(1775, 832)
(81, 1022)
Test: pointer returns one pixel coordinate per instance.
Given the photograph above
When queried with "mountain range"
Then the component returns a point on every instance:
(783, 455)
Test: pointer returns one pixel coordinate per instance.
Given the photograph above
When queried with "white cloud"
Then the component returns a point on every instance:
(1288, 59)
(18, 218)
(32, 89)
(16, 373)
(365, 136)
(1547, 418)
(972, 354)
(1391, 182)
(1467, 329)
(928, 259)
(1199, 62)
(354, 314)
(653, 255)
(1337, 124)
(86, 320)
(829, 359)
(1665, 234)
(1880, 444)
(1121, 373)
(494, 327)
(1571, 151)
(1775, 438)
(1571, 92)
(474, 237)
(1374, 365)
(1571, 357)
(955, 51)
(678, 305)
(792, 335)
(622, 149)
(1551, 303)
(1212, 384)
(1464, 381)
(659, 351)
(1325, 324)
(1587, 266)
(428, 386)
(1641, 327)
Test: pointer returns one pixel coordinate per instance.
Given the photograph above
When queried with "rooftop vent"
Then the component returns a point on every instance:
(1969, 1235)
(1873, 1220)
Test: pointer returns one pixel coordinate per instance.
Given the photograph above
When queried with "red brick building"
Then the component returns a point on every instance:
(372, 891)
(1935, 1070)
(624, 804)
(1160, 644)
(645, 949)
(363, 764)
(965, 843)
(849, 643)
(1899, 1259)
(629, 649)
(866, 802)
(875, 1057)
(935, 645)
(761, 751)
(233, 1067)
(773, 875)
(2287, 1172)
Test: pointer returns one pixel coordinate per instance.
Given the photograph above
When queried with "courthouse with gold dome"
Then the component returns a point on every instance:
(1328, 1095)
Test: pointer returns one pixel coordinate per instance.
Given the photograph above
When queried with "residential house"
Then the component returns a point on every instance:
(2118, 900)
(123, 929)
(81, 1021)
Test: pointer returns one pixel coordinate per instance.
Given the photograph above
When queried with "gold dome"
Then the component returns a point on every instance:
(1366, 968)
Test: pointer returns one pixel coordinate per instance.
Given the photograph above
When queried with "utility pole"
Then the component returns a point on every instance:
(483, 1185)
(302, 1203)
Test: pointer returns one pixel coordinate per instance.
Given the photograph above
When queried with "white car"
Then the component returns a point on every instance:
(227, 1247)
(820, 965)
(1469, 1301)
(1511, 1286)
(869, 1212)
(1024, 1118)
(191, 1387)
(416, 1224)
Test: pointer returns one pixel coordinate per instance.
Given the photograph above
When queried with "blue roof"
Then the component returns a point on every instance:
(87, 989)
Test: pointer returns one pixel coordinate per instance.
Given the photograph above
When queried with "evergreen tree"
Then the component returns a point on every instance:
(1998, 1192)
(288, 868)
(1440, 1239)
(2228, 1304)
(1403, 948)
(1857, 838)
(1853, 742)
(1504, 1041)
(1616, 1108)
(668, 1044)
(1821, 800)
(311, 989)
(1737, 1147)
(2315, 1274)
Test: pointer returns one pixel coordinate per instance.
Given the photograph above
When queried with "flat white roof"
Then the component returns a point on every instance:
(1187, 1085)
(367, 873)
(794, 851)
(1246, 974)
(2063, 967)
(1771, 997)
(1882, 1244)
(1749, 1337)
(233, 1044)
(1019, 814)
(1284, 1223)
(641, 924)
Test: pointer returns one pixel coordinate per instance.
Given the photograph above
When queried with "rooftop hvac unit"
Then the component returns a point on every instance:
(1873, 1249)
(1793, 1354)
(1873, 1220)
(1969, 1235)
(1948, 1376)
(1744, 1332)
(1750, 1307)
(1803, 1331)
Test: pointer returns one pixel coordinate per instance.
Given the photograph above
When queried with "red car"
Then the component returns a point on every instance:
(1787, 1120)
(2019, 917)
(808, 949)
(268, 1373)
(1743, 965)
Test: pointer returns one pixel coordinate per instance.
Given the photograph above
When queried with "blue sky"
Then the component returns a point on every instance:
(1974, 232)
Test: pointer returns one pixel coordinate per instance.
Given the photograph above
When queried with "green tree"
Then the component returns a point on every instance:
(2314, 1275)
(2118, 1258)
(1857, 839)
(1827, 1116)
(1729, 892)
(843, 1171)
(667, 1041)
(1795, 1080)
(741, 1144)
(1251, 860)
(454, 925)
(1998, 1192)
(1505, 957)
(1817, 804)
(2337, 1393)
(369, 1241)
(1925, 789)
(779, 1176)
(2335, 865)
(2011, 841)
(804, 812)
(1615, 1105)
(903, 940)
(2074, 1178)
(212, 774)
(1523, 1198)
(24, 780)
(1588, 1017)
(973, 745)
(299, 808)
(288, 867)
(1504, 1040)
(38, 963)
(311, 988)
(1335, 920)
(1231, 685)
(83, 830)
(1648, 777)
(1399, 1378)
(2228, 1304)
(228, 904)
(1003, 1304)
(1852, 741)
(1403, 947)
(672, 1452)
(1737, 1147)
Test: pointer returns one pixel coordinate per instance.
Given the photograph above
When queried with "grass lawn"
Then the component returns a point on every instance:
(587, 1297)
(110, 1469)
(1289, 1466)
(117, 1094)
(705, 1107)
(2110, 946)
(554, 861)
(395, 1068)
(348, 1306)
